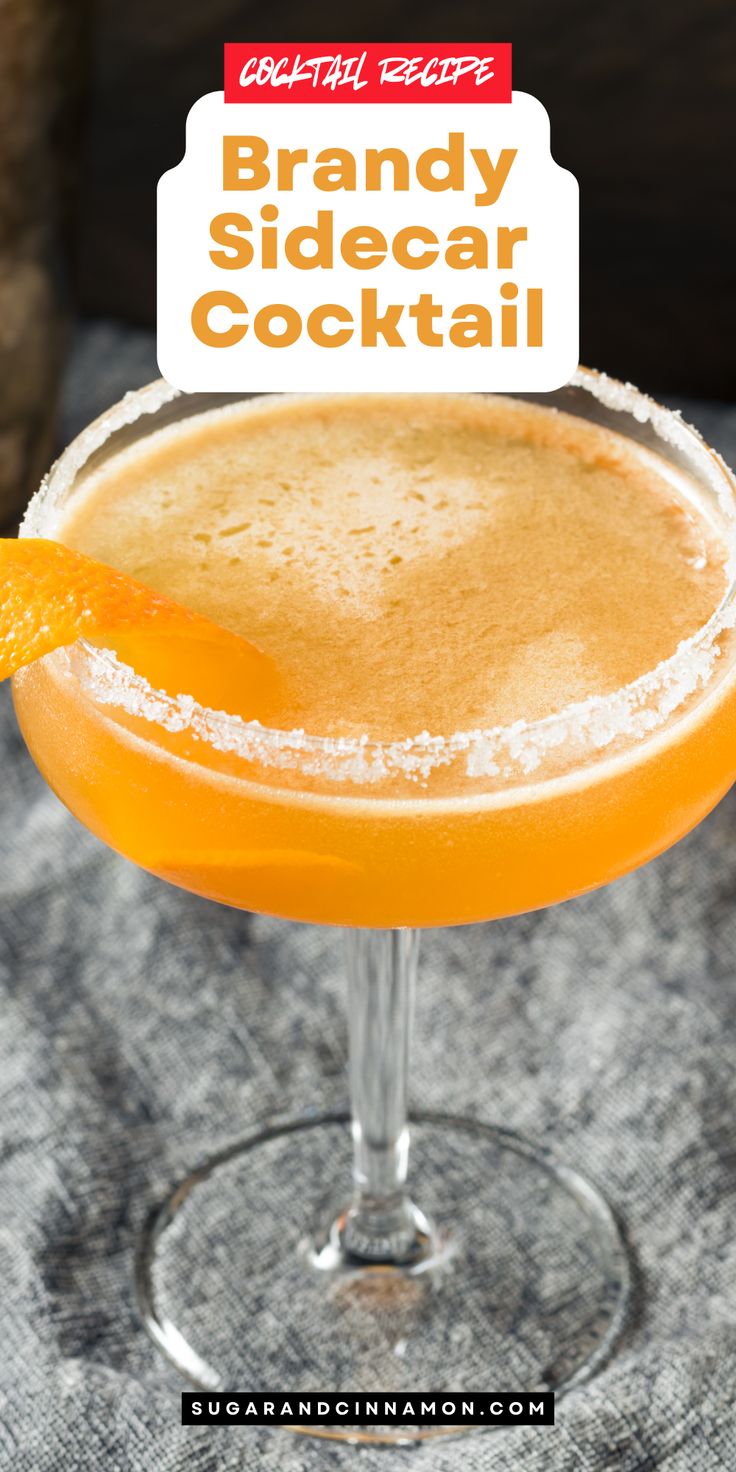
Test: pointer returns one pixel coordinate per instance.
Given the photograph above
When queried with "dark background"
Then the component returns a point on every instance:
(641, 100)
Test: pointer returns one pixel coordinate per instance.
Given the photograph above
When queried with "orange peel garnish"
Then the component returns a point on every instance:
(51, 596)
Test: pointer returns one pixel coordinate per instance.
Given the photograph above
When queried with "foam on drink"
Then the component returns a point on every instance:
(418, 562)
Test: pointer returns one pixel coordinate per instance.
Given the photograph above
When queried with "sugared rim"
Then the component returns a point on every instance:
(507, 754)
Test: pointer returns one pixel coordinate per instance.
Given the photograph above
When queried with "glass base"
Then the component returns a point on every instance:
(522, 1282)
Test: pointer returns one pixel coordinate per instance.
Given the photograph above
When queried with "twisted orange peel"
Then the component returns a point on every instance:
(50, 596)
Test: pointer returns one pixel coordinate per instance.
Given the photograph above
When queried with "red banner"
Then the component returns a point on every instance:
(297, 71)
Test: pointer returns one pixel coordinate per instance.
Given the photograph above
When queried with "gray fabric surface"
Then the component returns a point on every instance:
(141, 1027)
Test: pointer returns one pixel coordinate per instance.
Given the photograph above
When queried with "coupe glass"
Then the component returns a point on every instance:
(494, 1263)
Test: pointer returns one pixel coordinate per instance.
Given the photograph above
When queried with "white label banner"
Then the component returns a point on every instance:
(353, 247)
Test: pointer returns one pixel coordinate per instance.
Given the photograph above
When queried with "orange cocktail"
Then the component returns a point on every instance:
(500, 635)
(466, 599)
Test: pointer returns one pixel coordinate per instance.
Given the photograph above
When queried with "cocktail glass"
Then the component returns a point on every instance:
(500, 1266)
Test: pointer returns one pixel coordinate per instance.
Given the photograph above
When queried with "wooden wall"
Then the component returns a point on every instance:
(641, 98)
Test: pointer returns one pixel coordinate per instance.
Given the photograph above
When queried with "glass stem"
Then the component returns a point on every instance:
(381, 1224)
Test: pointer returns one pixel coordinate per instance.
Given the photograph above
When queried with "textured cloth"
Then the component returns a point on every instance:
(141, 1027)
